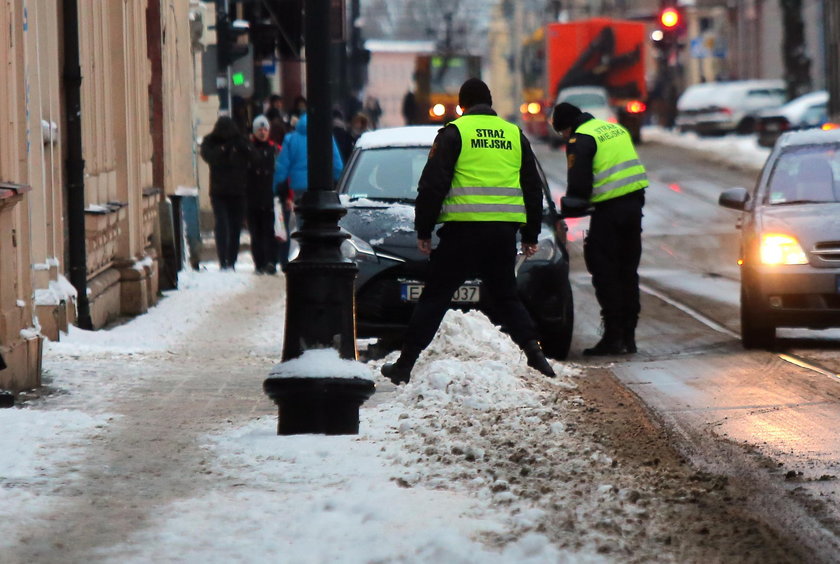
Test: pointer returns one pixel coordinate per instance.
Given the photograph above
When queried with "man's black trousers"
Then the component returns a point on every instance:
(612, 250)
(261, 228)
(466, 249)
(229, 214)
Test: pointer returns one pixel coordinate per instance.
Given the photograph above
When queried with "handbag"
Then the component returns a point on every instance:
(280, 231)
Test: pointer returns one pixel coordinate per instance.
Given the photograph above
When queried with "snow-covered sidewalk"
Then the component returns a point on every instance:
(157, 444)
(407, 488)
(741, 151)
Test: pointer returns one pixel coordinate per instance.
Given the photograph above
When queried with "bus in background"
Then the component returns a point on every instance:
(534, 107)
(438, 79)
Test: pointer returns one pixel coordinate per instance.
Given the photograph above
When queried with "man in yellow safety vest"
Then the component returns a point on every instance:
(480, 182)
(606, 179)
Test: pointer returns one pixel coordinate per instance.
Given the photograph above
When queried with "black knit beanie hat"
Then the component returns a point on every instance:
(564, 116)
(474, 92)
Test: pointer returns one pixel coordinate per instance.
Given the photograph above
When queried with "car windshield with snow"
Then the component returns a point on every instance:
(790, 238)
(379, 187)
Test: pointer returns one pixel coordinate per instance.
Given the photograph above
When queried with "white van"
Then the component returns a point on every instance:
(715, 108)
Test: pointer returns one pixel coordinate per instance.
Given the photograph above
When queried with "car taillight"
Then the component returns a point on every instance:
(635, 107)
(829, 126)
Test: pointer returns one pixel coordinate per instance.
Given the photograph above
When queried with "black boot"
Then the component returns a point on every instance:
(536, 358)
(399, 372)
(611, 343)
(630, 336)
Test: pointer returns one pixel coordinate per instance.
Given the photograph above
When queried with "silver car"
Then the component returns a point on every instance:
(790, 238)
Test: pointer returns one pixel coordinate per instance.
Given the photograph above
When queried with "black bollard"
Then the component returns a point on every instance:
(7, 399)
(319, 393)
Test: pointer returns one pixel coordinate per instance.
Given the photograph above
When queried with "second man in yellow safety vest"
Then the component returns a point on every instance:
(606, 179)
(480, 182)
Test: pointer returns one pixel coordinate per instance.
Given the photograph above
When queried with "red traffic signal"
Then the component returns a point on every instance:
(670, 18)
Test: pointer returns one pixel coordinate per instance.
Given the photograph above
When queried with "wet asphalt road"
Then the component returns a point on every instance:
(756, 416)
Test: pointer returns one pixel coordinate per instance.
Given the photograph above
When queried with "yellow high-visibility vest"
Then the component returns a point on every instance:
(485, 186)
(616, 169)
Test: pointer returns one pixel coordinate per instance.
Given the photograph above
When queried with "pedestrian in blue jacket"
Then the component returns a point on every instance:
(291, 174)
(292, 163)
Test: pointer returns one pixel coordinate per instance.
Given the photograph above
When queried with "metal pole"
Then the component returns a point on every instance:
(516, 39)
(831, 29)
(320, 309)
(223, 78)
(319, 282)
(319, 87)
(75, 164)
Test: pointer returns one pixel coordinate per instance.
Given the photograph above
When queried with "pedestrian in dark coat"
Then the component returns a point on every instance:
(261, 198)
(481, 182)
(342, 137)
(228, 153)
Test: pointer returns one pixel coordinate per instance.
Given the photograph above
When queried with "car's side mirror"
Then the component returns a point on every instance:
(736, 198)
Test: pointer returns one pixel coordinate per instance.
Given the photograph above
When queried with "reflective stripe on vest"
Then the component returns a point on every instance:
(485, 186)
(616, 169)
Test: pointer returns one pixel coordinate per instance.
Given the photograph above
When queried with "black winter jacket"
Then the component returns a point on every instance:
(228, 160)
(261, 174)
(436, 181)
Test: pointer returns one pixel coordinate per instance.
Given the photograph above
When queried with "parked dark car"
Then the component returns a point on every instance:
(790, 238)
(806, 111)
(378, 187)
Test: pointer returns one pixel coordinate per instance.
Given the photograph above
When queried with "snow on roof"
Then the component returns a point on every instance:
(794, 109)
(409, 136)
(813, 136)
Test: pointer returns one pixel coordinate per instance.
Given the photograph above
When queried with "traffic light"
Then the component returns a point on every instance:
(227, 39)
(670, 18)
(671, 23)
(669, 30)
(242, 74)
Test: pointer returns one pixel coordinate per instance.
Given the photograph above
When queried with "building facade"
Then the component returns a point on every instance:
(137, 145)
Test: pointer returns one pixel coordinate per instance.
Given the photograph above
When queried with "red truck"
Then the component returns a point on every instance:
(593, 52)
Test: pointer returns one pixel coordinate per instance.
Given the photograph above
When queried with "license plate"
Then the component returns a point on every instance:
(468, 293)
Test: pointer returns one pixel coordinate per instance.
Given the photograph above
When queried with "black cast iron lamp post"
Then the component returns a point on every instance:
(320, 309)
(319, 392)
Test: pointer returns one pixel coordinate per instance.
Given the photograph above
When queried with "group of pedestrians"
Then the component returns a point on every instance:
(242, 189)
(260, 180)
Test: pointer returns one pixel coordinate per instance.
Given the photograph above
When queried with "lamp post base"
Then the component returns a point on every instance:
(327, 406)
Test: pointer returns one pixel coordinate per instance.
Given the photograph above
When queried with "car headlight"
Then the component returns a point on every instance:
(781, 249)
(357, 249)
